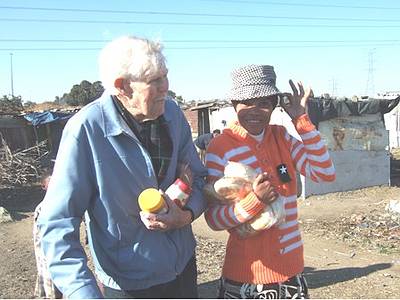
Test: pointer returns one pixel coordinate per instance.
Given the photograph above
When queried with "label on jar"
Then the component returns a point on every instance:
(178, 192)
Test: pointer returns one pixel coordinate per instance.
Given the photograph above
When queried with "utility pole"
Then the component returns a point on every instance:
(12, 75)
(370, 87)
(334, 87)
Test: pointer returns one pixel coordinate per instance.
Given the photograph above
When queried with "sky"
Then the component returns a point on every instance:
(344, 48)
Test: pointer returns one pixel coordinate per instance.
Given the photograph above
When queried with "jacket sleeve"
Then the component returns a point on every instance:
(68, 196)
(310, 155)
(188, 154)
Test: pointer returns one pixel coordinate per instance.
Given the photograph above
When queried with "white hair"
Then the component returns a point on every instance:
(129, 57)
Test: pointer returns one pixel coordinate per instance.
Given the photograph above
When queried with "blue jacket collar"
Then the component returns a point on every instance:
(114, 124)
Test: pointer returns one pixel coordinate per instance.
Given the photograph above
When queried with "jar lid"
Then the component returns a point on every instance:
(150, 200)
(183, 186)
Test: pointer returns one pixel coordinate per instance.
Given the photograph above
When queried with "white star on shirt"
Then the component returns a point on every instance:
(283, 170)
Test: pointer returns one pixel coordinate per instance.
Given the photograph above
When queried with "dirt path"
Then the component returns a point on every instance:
(340, 261)
(352, 250)
(17, 260)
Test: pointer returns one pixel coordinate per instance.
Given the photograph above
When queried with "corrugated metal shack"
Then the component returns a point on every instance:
(358, 142)
(26, 130)
(16, 132)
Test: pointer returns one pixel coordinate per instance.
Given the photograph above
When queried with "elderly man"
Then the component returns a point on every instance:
(130, 139)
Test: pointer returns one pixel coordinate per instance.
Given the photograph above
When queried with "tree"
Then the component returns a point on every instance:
(171, 94)
(57, 100)
(180, 99)
(174, 96)
(96, 89)
(83, 93)
(11, 104)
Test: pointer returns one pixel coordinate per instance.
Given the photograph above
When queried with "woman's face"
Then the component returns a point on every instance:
(254, 114)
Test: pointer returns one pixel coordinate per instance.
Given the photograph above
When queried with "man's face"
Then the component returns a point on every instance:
(254, 114)
(147, 98)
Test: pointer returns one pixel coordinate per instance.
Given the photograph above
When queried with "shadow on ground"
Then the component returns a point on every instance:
(321, 278)
(21, 201)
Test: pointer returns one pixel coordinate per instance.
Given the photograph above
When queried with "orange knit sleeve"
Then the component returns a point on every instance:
(221, 217)
(311, 155)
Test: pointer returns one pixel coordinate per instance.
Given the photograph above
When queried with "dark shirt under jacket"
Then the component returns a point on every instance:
(154, 136)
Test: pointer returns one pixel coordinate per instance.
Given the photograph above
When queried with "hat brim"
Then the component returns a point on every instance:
(251, 92)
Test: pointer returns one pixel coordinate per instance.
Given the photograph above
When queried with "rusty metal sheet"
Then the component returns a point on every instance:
(365, 133)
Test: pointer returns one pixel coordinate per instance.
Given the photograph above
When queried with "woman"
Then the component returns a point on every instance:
(269, 264)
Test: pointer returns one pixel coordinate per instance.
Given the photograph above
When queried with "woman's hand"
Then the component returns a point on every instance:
(295, 105)
(264, 190)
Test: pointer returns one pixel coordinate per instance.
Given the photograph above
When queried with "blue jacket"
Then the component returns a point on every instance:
(100, 169)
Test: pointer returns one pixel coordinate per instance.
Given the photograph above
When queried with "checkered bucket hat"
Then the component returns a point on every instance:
(253, 81)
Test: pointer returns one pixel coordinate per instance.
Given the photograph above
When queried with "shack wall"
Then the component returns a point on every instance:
(16, 132)
(359, 147)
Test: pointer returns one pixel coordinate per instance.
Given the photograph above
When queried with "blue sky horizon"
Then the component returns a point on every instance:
(343, 48)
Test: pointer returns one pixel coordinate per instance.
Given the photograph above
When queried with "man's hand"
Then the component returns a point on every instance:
(264, 189)
(174, 218)
(295, 105)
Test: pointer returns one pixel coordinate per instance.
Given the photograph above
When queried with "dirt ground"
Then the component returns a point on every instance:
(352, 245)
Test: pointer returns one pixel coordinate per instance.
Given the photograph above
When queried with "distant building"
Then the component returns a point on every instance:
(388, 95)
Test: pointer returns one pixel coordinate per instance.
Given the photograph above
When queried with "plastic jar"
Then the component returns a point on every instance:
(151, 201)
(179, 192)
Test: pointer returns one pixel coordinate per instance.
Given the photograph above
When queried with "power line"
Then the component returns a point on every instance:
(50, 49)
(54, 40)
(195, 14)
(212, 47)
(193, 23)
(201, 41)
(304, 4)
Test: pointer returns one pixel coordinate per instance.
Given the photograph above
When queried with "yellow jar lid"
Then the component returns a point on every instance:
(150, 200)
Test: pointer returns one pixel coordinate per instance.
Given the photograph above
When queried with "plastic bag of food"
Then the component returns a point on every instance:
(236, 183)
(272, 215)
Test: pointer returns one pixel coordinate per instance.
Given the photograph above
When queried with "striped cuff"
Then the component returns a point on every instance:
(251, 204)
(303, 124)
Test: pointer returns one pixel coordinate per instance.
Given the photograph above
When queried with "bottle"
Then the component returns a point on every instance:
(151, 201)
(179, 192)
